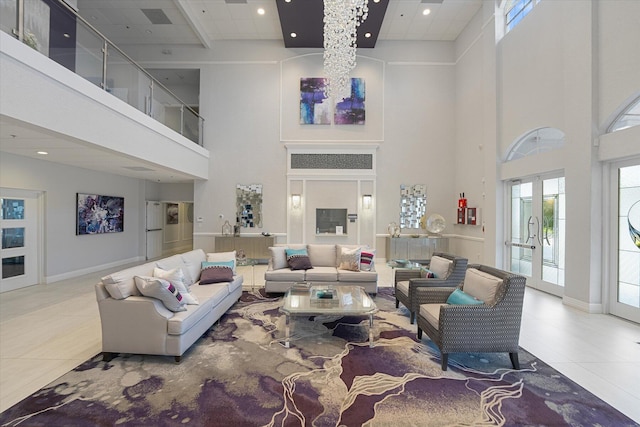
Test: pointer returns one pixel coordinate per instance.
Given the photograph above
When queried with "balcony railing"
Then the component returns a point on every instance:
(56, 30)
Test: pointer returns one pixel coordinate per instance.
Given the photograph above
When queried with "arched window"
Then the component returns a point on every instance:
(515, 10)
(628, 118)
(536, 142)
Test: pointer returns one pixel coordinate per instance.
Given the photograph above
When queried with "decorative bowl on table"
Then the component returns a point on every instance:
(436, 224)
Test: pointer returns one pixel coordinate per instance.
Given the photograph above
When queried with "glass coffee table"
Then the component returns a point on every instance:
(315, 300)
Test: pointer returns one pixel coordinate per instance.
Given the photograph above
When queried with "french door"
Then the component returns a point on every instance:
(536, 231)
(20, 229)
(624, 291)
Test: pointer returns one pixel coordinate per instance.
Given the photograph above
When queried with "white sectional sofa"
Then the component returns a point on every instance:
(326, 261)
(137, 324)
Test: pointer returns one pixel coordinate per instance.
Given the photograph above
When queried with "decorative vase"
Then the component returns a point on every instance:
(236, 230)
(226, 229)
(393, 229)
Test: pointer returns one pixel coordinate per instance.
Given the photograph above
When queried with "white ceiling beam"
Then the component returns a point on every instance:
(193, 21)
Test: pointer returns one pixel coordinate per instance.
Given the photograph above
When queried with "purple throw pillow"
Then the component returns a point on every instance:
(299, 262)
(216, 274)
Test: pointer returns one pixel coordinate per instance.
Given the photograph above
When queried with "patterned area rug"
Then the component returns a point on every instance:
(240, 374)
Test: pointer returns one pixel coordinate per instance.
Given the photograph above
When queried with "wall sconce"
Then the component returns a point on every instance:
(366, 201)
(295, 201)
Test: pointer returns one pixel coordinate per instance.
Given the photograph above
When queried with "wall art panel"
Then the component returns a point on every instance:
(97, 214)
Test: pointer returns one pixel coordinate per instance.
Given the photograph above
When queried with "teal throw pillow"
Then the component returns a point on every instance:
(229, 264)
(292, 252)
(459, 297)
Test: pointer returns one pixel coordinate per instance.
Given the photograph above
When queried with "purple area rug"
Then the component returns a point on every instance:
(240, 374)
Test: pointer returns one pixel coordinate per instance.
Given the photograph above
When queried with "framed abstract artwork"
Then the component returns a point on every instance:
(315, 107)
(98, 214)
(350, 111)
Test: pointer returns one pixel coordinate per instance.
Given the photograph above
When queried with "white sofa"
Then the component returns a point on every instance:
(137, 324)
(325, 260)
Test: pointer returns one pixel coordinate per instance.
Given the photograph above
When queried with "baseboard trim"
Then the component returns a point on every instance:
(93, 269)
(583, 306)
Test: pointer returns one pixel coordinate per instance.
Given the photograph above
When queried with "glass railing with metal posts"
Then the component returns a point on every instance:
(56, 30)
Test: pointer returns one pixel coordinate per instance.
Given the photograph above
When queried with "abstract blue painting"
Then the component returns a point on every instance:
(99, 214)
(314, 105)
(350, 111)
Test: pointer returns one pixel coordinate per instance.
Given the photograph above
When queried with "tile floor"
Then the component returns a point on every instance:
(48, 330)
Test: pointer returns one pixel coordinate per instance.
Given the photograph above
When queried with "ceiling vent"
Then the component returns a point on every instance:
(432, 1)
(156, 16)
(235, 1)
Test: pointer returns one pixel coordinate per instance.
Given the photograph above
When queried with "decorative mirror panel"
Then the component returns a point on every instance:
(413, 205)
(249, 205)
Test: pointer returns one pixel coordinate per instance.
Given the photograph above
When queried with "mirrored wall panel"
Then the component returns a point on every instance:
(413, 205)
(249, 205)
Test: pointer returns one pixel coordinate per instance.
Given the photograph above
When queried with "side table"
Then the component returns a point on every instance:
(404, 270)
(249, 262)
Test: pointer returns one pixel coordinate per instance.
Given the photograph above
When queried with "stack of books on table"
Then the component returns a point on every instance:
(324, 295)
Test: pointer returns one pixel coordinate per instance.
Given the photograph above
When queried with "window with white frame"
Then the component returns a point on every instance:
(515, 10)
(628, 118)
(536, 142)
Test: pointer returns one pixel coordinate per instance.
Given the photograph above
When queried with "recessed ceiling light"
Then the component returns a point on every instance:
(367, 35)
(376, 1)
(426, 12)
(294, 35)
(261, 11)
(287, 1)
(66, 35)
(43, 153)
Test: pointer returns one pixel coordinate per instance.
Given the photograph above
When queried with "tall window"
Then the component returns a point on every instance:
(629, 236)
(515, 10)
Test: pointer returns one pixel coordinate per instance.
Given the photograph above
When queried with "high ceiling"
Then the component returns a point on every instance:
(202, 23)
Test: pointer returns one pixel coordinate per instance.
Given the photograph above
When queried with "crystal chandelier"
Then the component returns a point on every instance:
(341, 20)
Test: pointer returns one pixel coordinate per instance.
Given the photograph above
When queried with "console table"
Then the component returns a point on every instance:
(256, 247)
(415, 248)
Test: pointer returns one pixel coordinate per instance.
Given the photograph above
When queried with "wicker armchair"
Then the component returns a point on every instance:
(487, 328)
(407, 281)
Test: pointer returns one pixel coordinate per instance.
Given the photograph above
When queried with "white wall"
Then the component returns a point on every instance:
(547, 79)
(619, 57)
(475, 115)
(66, 254)
(569, 65)
(241, 110)
(249, 88)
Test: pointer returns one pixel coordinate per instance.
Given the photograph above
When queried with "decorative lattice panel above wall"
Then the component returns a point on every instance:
(331, 161)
